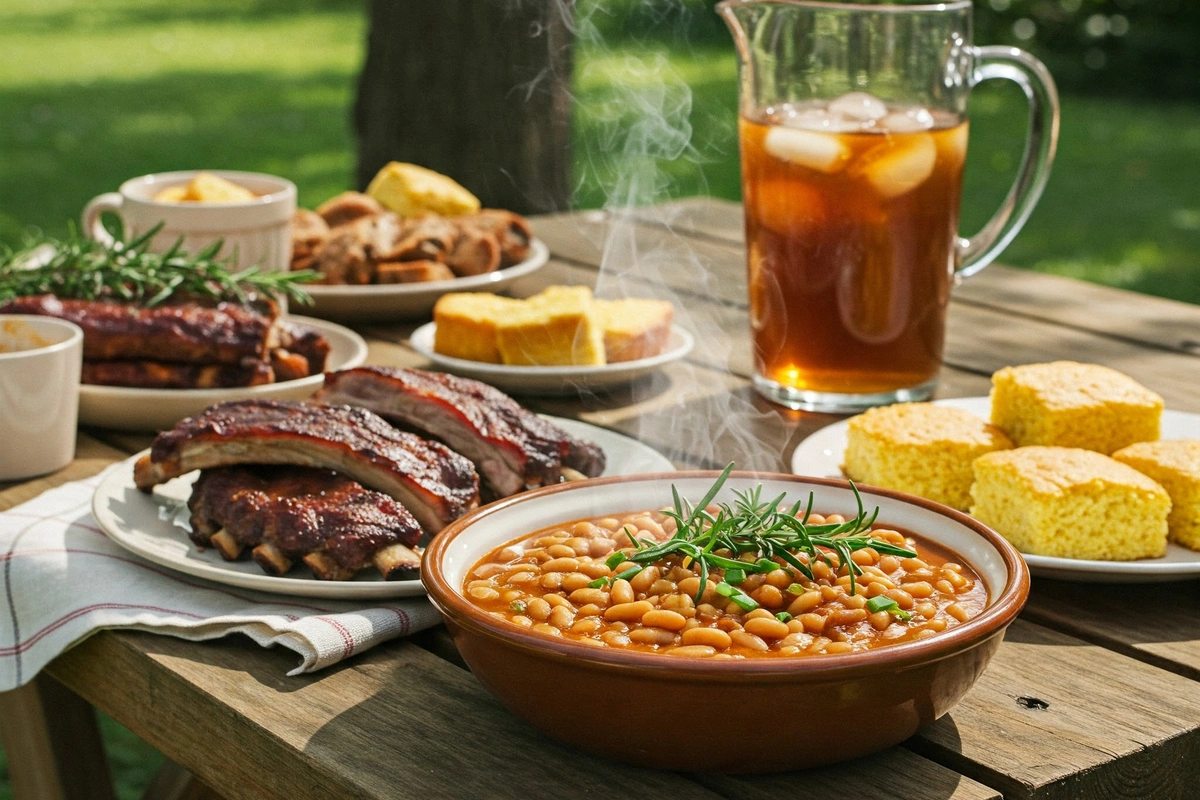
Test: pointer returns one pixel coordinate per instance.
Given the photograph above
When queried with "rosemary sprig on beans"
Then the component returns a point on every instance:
(755, 535)
(84, 269)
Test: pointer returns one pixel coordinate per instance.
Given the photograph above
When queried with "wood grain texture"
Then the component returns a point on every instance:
(1114, 727)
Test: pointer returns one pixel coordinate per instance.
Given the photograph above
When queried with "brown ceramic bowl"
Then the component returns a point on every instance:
(721, 715)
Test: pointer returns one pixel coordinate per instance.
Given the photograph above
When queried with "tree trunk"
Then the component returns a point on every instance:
(476, 89)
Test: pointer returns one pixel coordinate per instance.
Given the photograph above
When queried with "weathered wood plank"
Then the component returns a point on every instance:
(1113, 727)
(984, 340)
(1157, 623)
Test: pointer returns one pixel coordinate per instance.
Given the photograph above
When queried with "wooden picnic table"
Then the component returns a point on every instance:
(1094, 693)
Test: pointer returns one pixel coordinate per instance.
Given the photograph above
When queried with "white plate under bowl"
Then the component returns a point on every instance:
(821, 455)
(128, 409)
(553, 380)
(144, 524)
(398, 301)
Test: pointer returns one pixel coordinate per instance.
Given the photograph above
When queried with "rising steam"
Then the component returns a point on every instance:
(644, 121)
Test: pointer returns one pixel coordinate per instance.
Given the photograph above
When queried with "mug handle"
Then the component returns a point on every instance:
(90, 219)
(1031, 75)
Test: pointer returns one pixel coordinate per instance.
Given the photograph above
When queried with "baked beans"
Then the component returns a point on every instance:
(575, 581)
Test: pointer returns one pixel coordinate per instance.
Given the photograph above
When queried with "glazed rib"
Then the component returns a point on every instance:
(284, 514)
(436, 484)
(512, 448)
(186, 333)
(159, 375)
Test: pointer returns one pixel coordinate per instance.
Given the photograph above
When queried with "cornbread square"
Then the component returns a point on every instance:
(1070, 503)
(1176, 465)
(920, 448)
(466, 325)
(634, 328)
(1067, 404)
(557, 327)
(409, 189)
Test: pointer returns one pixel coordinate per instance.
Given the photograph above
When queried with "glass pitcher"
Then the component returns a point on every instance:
(853, 128)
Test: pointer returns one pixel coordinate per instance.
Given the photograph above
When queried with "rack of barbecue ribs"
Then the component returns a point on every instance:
(283, 514)
(433, 482)
(352, 239)
(188, 345)
(513, 448)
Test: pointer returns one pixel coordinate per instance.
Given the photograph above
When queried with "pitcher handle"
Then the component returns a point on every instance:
(1034, 79)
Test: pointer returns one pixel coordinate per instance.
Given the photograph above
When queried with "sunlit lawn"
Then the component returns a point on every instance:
(91, 94)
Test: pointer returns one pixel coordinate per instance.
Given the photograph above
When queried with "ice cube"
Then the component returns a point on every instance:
(858, 106)
(812, 119)
(899, 165)
(820, 151)
(907, 121)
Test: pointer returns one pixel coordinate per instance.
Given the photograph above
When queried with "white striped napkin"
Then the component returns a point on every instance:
(62, 580)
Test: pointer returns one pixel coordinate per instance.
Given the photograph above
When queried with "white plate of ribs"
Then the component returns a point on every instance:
(165, 365)
(334, 497)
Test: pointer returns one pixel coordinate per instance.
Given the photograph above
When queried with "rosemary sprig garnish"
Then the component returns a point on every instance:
(754, 535)
(84, 269)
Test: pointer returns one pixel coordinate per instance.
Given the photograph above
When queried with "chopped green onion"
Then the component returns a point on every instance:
(725, 590)
(735, 576)
(796, 589)
(744, 601)
(517, 606)
(783, 616)
(629, 573)
(615, 560)
(881, 603)
(765, 565)
(598, 583)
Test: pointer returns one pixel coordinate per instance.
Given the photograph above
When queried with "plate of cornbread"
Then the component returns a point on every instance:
(560, 341)
(1078, 465)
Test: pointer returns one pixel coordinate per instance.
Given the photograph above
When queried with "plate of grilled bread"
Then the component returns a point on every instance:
(392, 251)
(560, 341)
(336, 496)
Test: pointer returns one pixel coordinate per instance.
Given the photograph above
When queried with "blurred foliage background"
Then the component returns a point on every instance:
(94, 93)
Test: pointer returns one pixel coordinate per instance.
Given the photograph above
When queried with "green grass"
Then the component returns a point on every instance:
(91, 94)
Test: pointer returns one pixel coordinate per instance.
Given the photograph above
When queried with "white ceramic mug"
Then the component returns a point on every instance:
(40, 363)
(255, 232)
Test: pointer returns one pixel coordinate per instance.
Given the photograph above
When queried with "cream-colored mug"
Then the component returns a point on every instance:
(40, 362)
(255, 232)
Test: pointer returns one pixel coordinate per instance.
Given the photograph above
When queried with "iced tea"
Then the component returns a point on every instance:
(851, 224)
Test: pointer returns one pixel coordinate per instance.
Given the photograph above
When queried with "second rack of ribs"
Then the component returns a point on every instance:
(283, 514)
